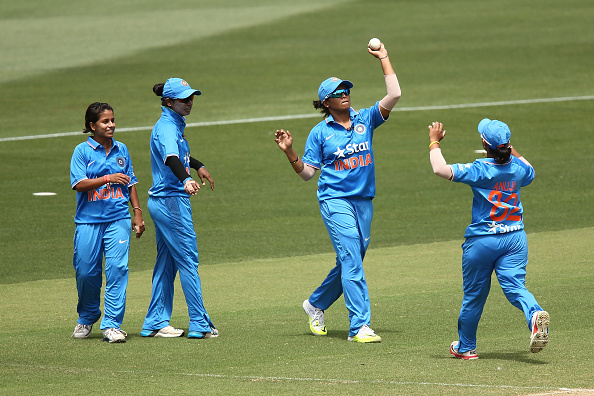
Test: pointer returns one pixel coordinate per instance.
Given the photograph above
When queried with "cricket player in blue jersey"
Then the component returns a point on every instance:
(495, 239)
(340, 147)
(101, 173)
(170, 209)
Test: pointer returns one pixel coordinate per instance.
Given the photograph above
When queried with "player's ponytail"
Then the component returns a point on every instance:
(158, 90)
(318, 105)
(93, 113)
(502, 153)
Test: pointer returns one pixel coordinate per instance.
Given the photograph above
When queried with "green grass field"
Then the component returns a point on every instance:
(263, 246)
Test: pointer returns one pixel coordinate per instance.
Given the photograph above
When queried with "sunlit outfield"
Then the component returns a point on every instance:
(263, 246)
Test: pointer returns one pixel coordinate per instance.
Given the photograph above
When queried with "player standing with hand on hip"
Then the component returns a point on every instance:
(495, 239)
(170, 209)
(101, 173)
(341, 147)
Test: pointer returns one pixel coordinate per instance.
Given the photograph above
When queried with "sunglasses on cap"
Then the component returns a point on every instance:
(338, 93)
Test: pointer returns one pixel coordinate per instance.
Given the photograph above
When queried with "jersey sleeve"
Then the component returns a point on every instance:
(78, 166)
(165, 141)
(375, 116)
(529, 172)
(312, 154)
(470, 173)
(129, 169)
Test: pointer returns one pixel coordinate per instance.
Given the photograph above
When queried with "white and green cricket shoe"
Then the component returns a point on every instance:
(316, 319)
(365, 334)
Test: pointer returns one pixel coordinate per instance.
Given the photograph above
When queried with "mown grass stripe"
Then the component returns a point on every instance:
(314, 115)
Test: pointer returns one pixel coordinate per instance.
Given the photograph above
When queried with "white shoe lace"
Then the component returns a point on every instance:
(366, 330)
(318, 316)
(82, 329)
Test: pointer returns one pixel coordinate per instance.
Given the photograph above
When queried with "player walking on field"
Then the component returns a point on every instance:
(341, 147)
(495, 239)
(170, 209)
(101, 173)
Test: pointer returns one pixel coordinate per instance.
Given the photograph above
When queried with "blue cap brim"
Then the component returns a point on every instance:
(331, 87)
(187, 93)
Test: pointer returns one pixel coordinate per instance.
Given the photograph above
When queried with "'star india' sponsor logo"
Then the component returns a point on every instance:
(354, 161)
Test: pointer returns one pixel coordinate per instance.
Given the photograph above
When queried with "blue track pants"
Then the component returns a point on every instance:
(91, 241)
(176, 250)
(507, 255)
(348, 222)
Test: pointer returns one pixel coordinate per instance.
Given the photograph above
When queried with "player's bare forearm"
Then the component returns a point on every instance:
(134, 201)
(137, 220)
(515, 153)
(92, 184)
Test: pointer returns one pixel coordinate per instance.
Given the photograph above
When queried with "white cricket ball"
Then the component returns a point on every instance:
(375, 44)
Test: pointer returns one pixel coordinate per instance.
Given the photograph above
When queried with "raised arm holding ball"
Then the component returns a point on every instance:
(340, 146)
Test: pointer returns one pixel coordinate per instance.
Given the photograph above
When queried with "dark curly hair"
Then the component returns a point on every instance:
(93, 113)
(500, 154)
(158, 90)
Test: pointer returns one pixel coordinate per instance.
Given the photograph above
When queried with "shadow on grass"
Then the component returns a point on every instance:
(523, 357)
(343, 334)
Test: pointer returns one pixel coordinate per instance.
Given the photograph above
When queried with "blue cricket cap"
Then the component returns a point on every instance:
(495, 133)
(329, 85)
(177, 88)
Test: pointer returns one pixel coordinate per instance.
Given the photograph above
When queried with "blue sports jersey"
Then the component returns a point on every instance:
(496, 206)
(345, 157)
(106, 203)
(168, 139)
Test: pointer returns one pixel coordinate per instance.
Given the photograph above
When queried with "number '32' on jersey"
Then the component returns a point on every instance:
(496, 206)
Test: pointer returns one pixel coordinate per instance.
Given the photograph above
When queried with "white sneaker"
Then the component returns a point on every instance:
(540, 331)
(316, 319)
(365, 334)
(165, 332)
(214, 333)
(114, 335)
(82, 331)
(468, 355)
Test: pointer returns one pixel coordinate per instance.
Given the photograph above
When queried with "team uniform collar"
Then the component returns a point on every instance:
(93, 143)
(352, 114)
(171, 115)
(491, 161)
